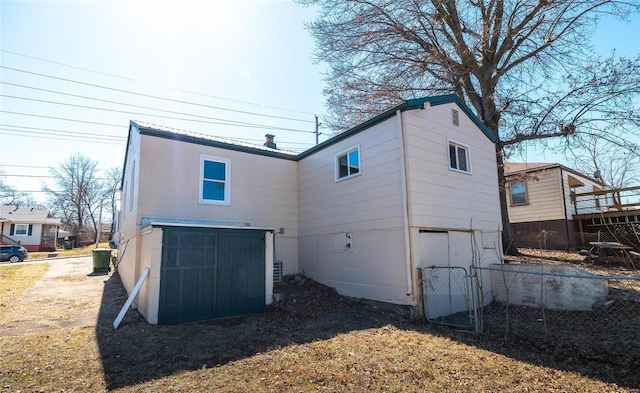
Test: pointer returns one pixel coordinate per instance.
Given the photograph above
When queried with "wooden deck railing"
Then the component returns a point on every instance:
(613, 200)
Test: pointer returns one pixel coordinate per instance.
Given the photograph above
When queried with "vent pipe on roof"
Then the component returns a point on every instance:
(270, 143)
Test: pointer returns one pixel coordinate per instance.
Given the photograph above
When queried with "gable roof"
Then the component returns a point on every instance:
(13, 213)
(418, 103)
(512, 168)
(226, 143)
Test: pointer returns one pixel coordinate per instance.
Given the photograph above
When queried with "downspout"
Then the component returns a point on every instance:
(405, 203)
(564, 206)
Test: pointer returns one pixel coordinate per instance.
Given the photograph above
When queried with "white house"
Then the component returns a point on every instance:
(415, 186)
(34, 229)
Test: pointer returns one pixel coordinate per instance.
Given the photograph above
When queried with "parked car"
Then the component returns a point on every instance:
(13, 253)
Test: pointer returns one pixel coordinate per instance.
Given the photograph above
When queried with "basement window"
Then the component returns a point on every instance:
(347, 163)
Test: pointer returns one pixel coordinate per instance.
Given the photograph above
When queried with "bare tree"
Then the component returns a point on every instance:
(523, 65)
(10, 196)
(78, 193)
(608, 163)
(112, 180)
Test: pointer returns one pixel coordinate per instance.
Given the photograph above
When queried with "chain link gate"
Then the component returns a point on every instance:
(450, 297)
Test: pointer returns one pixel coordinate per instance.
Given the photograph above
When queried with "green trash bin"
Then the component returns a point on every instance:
(68, 244)
(101, 259)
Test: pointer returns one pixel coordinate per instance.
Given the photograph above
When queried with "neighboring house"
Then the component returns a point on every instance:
(415, 186)
(540, 203)
(31, 228)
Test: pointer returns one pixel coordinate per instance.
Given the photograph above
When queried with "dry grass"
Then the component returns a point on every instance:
(14, 281)
(80, 251)
(384, 359)
(319, 342)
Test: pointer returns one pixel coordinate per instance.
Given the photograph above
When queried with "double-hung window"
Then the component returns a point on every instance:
(21, 230)
(214, 180)
(518, 190)
(459, 159)
(347, 163)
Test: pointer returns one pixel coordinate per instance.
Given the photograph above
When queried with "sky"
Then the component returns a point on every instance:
(73, 73)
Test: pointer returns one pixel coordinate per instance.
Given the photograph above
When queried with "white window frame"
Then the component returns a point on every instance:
(26, 230)
(467, 149)
(526, 195)
(336, 165)
(226, 182)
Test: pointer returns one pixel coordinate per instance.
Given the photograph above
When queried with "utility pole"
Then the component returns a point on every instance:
(99, 224)
(317, 129)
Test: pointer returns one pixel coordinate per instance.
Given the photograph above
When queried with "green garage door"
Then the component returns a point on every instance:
(210, 273)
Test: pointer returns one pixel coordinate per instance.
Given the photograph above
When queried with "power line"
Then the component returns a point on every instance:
(61, 118)
(66, 65)
(152, 96)
(220, 122)
(114, 102)
(26, 166)
(243, 102)
(65, 131)
(67, 137)
(62, 138)
(186, 91)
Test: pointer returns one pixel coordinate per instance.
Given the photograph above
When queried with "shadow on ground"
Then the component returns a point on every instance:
(138, 352)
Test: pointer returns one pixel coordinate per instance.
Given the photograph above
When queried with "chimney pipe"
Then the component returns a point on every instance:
(270, 143)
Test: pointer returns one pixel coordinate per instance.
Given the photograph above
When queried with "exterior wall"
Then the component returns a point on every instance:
(585, 205)
(548, 200)
(263, 194)
(544, 196)
(148, 298)
(560, 234)
(351, 231)
(31, 243)
(444, 200)
(440, 197)
(263, 191)
(129, 223)
(367, 210)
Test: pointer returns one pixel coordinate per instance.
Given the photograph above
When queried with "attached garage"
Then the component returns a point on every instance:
(212, 272)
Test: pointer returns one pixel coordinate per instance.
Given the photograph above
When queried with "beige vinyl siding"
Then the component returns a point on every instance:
(263, 190)
(128, 224)
(586, 205)
(544, 197)
(441, 197)
(367, 208)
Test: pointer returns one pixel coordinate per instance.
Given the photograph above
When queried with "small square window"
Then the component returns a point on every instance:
(459, 157)
(214, 180)
(347, 163)
(518, 191)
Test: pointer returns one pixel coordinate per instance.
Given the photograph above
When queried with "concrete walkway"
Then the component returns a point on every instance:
(68, 295)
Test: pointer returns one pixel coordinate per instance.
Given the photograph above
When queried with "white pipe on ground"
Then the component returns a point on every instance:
(144, 275)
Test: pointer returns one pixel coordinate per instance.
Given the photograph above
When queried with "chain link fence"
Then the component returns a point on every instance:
(564, 304)
(561, 303)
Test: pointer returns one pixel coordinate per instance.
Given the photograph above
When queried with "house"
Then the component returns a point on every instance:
(540, 205)
(209, 217)
(34, 229)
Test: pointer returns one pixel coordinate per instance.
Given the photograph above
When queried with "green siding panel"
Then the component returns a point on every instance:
(211, 273)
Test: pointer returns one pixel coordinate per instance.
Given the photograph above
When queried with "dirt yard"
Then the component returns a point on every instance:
(67, 296)
(60, 338)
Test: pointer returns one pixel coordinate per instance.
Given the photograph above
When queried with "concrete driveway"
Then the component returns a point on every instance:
(69, 295)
